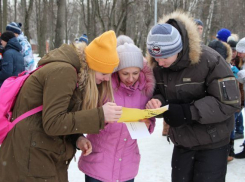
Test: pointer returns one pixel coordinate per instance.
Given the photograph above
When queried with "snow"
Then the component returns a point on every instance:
(155, 165)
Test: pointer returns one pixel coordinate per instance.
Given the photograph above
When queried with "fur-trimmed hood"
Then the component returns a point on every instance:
(228, 52)
(71, 54)
(191, 40)
(146, 80)
(222, 48)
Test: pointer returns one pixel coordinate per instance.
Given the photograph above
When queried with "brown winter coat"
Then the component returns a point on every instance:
(40, 147)
(202, 78)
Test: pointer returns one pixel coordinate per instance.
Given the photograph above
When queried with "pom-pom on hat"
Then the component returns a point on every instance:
(223, 34)
(121, 39)
(101, 53)
(164, 41)
(130, 56)
(83, 38)
(6, 36)
(240, 47)
(14, 27)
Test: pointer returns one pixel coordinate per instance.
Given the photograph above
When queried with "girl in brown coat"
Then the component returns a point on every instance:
(72, 86)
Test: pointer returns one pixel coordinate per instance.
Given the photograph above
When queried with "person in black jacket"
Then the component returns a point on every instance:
(202, 94)
(13, 61)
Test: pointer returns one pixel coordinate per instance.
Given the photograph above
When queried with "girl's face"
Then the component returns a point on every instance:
(166, 62)
(129, 75)
(3, 43)
(100, 77)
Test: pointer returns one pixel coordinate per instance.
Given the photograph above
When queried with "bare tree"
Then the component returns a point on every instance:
(41, 7)
(27, 19)
(60, 25)
(5, 14)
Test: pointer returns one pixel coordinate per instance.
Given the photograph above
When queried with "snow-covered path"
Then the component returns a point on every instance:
(155, 163)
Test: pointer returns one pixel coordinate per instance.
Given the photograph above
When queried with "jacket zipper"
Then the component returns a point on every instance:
(224, 91)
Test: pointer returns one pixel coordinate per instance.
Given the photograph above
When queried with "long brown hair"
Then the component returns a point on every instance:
(93, 95)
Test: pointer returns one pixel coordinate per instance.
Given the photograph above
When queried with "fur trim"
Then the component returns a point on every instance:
(150, 79)
(195, 49)
(83, 73)
(234, 37)
(228, 52)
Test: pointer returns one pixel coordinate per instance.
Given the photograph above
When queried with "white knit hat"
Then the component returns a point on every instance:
(240, 47)
(130, 56)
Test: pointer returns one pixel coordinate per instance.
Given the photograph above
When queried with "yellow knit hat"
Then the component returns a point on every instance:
(101, 53)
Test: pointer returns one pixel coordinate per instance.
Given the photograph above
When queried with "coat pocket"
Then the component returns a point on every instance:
(185, 136)
(95, 157)
(228, 90)
(136, 158)
(44, 154)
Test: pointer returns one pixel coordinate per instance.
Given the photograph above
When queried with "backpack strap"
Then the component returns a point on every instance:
(27, 114)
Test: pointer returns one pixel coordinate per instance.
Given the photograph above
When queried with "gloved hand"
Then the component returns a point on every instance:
(178, 114)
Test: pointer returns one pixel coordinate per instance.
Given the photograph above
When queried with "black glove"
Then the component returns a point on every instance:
(178, 114)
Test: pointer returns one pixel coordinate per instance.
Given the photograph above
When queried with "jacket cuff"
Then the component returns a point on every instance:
(101, 117)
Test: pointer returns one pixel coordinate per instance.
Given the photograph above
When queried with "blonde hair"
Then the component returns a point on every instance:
(93, 95)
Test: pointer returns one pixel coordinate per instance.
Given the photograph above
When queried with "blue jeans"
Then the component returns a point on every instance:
(90, 179)
(239, 123)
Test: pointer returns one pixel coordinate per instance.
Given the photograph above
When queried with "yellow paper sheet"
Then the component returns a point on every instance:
(133, 115)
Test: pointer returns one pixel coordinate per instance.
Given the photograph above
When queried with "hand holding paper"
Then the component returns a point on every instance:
(131, 114)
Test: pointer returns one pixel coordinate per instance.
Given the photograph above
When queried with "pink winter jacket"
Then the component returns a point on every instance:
(115, 155)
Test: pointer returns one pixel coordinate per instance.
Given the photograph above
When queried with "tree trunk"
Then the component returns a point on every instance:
(42, 27)
(60, 25)
(27, 19)
(5, 14)
(15, 10)
(51, 25)
(1, 18)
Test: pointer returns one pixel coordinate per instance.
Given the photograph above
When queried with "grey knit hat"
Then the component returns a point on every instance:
(164, 41)
(240, 47)
(130, 56)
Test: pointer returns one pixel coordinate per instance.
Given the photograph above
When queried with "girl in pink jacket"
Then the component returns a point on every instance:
(115, 156)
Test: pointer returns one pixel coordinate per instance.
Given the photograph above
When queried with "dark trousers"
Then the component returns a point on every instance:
(199, 165)
(90, 179)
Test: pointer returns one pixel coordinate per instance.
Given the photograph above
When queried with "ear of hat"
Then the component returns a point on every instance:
(14, 27)
(130, 56)
(240, 47)
(101, 53)
(83, 38)
(164, 41)
(223, 34)
(6, 36)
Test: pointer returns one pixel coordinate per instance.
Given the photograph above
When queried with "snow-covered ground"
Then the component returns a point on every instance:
(155, 165)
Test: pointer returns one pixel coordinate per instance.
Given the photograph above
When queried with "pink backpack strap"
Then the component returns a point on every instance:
(27, 114)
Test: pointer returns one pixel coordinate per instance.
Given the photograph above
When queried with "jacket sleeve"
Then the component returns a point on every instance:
(222, 99)
(157, 92)
(58, 89)
(7, 66)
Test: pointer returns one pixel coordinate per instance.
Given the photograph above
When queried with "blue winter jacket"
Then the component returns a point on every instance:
(13, 61)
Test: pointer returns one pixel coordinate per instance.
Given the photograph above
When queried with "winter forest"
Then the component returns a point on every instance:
(61, 21)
